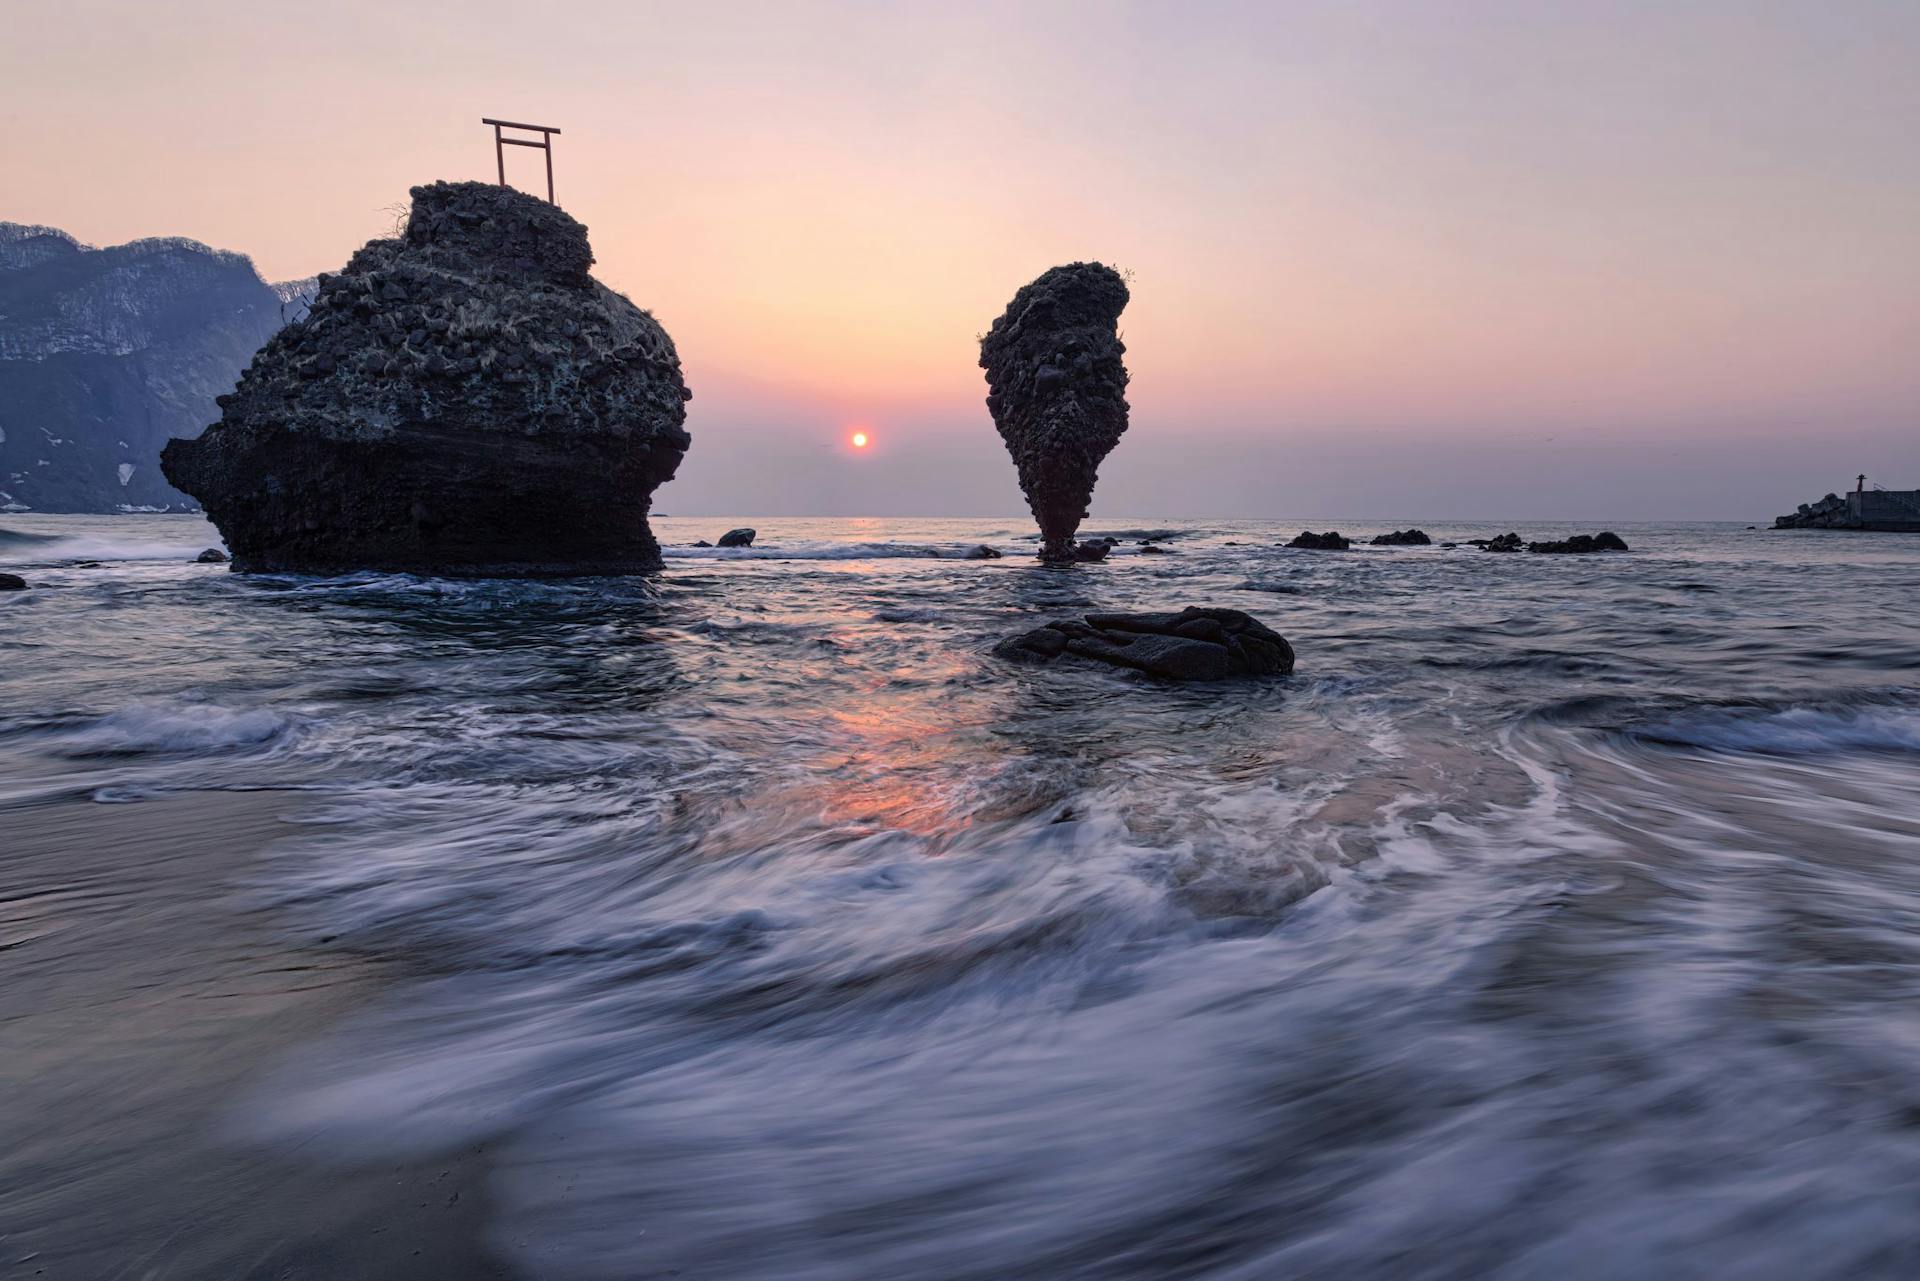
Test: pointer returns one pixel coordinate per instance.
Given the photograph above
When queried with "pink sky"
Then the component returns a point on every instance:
(1413, 259)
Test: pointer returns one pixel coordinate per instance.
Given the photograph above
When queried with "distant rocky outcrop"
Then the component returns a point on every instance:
(1194, 644)
(1508, 542)
(1580, 544)
(1331, 541)
(107, 353)
(738, 537)
(463, 399)
(1831, 512)
(1057, 391)
(1402, 538)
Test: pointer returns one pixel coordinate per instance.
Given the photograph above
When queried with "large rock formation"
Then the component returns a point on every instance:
(463, 399)
(1195, 644)
(107, 353)
(1057, 391)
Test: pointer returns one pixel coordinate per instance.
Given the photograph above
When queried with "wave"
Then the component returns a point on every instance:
(173, 726)
(42, 549)
(1793, 731)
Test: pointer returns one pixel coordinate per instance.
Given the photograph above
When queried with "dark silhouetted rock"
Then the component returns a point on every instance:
(1153, 549)
(1331, 541)
(703, 543)
(12, 583)
(1504, 543)
(1831, 512)
(1093, 549)
(212, 556)
(1580, 544)
(1403, 538)
(982, 552)
(1057, 391)
(1194, 644)
(738, 538)
(462, 399)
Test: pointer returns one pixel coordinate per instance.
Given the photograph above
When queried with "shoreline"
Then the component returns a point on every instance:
(138, 1001)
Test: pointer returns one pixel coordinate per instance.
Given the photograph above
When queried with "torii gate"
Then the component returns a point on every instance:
(501, 143)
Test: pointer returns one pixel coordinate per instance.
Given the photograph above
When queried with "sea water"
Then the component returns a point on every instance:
(1559, 917)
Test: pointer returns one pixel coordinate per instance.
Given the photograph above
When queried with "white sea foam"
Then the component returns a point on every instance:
(174, 726)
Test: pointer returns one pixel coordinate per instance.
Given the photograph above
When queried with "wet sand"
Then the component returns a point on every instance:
(140, 999)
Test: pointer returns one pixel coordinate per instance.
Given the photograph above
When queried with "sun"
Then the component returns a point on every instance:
(858, 440)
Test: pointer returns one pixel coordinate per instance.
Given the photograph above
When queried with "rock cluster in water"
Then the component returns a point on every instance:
(1194, 644)
(1331, 541)
(464, 398)
(1057, 391)
(1831, 512)
(1577, 544)
(1403, 538)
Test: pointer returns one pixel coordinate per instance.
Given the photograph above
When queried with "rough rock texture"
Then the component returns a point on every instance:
(1057, 391)
(462, 399)
(1193, 645)
(738, 537)
(1331, 541)
(1403, 538)
(1581, 543)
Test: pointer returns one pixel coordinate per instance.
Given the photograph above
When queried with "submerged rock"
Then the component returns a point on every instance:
(1194, 644)
(1057, 391)
(12, 583)
(1580, 544)
(461, 399)
(212, 556)
(1403, 538)
(982, 552)
(738, 538)
(1331, 541)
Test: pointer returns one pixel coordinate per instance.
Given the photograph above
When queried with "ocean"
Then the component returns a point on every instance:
(1559, 917)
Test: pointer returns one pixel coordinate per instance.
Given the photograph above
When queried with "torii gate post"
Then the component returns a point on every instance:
(501, 143)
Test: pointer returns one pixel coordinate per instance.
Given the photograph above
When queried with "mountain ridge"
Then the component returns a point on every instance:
(106, 353)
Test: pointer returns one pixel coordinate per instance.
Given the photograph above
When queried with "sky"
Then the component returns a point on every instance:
(1448, 259)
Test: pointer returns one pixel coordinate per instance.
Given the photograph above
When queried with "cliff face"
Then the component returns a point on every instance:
(106, 353)
(462, 399)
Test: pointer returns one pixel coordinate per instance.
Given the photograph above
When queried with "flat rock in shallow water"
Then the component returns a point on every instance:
(461, 399)
(1195, 644)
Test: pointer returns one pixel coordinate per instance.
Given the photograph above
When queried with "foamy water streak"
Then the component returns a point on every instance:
(1556, 919)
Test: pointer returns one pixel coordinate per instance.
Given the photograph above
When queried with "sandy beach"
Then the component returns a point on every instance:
(142, 1000)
